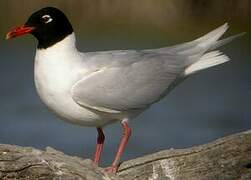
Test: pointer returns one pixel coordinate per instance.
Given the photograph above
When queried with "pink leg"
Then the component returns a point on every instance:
(126, 134)
(99, 146)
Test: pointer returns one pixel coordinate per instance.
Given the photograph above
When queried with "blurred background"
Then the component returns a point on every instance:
(206, 106)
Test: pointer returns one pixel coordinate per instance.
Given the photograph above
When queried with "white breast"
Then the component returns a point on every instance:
(57, 68)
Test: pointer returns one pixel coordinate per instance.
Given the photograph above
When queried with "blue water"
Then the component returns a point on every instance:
(206, 106)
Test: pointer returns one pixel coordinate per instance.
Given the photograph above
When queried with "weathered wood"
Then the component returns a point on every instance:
(31, 164)
(226, 158)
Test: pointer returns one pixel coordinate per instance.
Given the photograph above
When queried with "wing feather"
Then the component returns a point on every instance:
(123, 88)
(127, 80)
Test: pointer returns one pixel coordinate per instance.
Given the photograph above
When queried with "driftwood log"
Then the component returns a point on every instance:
(225, 158)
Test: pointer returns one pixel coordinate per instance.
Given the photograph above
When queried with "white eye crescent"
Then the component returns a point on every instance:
(46, 18)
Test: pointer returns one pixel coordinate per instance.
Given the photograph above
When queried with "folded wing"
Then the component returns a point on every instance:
(127, 87)
(128, 80)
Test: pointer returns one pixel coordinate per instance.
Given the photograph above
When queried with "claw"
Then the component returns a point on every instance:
(111, 169)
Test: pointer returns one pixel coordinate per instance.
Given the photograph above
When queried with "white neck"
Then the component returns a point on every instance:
(62, 54)
(66, 45)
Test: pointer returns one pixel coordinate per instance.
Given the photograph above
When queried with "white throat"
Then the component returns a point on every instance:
(56, 71)
(66, 44)
(62, 55)
(56, 64)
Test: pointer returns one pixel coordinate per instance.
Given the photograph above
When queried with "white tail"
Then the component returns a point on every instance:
(210, 59)
(201, 55)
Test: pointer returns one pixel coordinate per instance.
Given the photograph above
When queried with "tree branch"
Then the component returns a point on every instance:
(226, 158)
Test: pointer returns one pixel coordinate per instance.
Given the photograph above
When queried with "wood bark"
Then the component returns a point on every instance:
(225, 158)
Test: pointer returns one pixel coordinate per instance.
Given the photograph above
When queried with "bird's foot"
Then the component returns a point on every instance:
(111, 169)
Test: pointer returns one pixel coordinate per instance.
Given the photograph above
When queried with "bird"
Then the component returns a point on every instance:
(99, 88)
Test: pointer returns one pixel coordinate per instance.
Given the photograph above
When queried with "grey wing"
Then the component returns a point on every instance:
(126, 80)
(128, 87)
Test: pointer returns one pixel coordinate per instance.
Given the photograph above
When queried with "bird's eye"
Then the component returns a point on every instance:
(46, 19)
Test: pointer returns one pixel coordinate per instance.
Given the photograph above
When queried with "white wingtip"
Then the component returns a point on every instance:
(216, 33)
(209, 40)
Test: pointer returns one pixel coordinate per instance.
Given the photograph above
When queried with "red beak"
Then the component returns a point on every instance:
(18, 31)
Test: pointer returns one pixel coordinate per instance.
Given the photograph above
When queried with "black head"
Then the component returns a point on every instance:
(49, 25)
